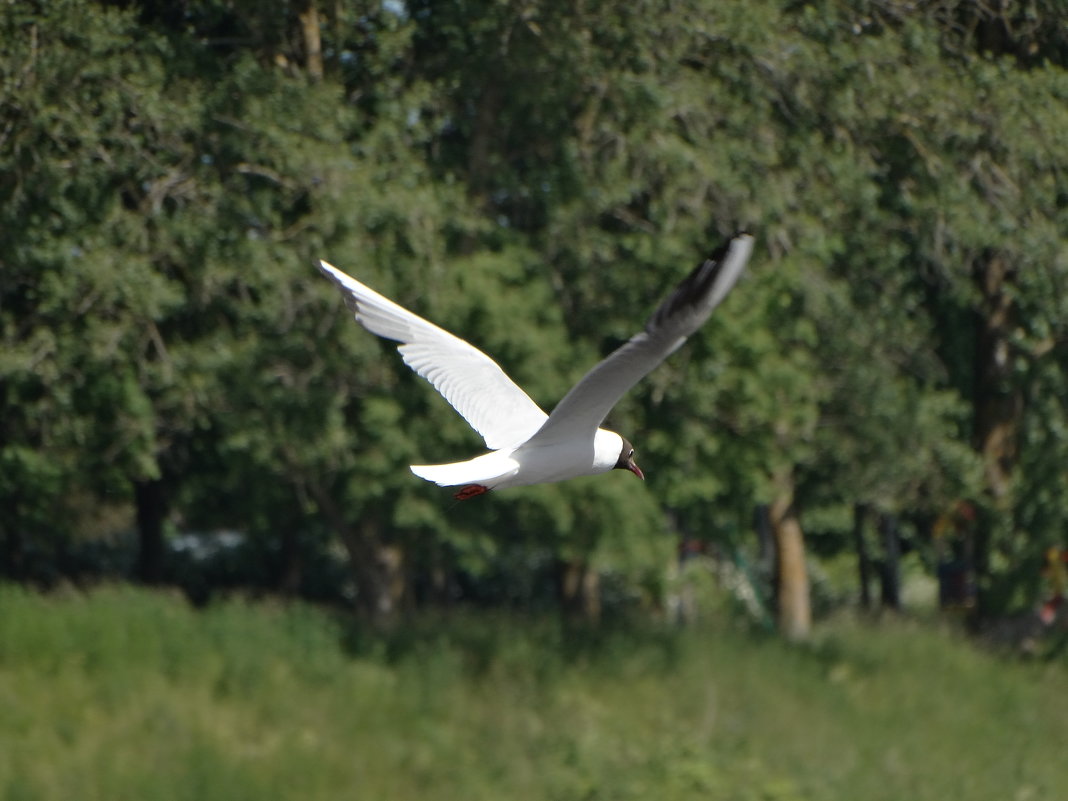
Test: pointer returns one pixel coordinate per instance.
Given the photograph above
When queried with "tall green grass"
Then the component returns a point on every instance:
(127, 694)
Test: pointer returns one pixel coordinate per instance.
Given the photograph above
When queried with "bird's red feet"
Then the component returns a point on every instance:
(470, 491)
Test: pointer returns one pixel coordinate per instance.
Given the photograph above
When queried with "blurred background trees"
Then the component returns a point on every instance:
(533, 176)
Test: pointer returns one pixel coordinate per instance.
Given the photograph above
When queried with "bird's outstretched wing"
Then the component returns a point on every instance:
(584, 408)
(466, 377)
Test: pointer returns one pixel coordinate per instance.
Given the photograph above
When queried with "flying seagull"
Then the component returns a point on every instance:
(526, 445)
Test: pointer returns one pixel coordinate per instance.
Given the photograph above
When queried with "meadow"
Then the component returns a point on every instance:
(123, 693)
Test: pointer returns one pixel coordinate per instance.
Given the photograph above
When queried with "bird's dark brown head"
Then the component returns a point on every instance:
(626, 460)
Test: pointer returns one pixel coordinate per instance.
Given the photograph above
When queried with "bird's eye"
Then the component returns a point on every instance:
(631, 454)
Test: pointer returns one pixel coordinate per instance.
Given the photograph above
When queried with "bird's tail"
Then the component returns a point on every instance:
(488, 469)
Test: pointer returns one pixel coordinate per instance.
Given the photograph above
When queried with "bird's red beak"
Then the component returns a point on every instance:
(633, 467)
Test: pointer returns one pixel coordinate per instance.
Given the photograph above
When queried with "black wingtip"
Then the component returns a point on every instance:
(718, 254)
(699, 286)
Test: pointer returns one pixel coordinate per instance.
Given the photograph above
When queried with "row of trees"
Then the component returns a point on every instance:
(531, 174)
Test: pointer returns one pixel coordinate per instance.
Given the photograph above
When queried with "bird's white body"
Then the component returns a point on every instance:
(526, 445)
(533, 462)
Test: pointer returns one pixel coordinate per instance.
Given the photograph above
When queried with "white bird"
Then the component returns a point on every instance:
(526, 445)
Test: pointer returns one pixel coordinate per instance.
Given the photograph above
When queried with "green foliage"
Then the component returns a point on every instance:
(533, 178)
(124, 694)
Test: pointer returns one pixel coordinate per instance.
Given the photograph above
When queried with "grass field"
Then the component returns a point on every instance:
(127, 694)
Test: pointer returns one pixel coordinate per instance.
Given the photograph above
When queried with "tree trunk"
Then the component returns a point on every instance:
(12, 541)
(313, 47)
(998, 406)
(791, 575)
(14, 550)
(580, 590)
(377, 567)
(290, 568)
(890, 575)
(860, 545)
(151, 512)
